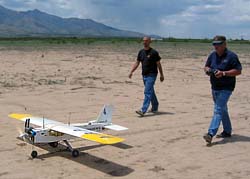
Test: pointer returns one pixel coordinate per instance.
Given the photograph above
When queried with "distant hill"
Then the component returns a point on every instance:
(39, 24)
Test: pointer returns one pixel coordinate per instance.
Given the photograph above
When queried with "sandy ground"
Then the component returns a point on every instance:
(58, 82)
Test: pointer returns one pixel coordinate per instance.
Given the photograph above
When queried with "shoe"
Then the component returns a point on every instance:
(140, 113)
(224, 135)
(153, 111)
(208, 138)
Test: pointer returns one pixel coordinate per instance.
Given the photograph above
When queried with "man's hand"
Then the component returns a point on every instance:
(161, 78)
(130, 75)
(206, 69)
(218, 74)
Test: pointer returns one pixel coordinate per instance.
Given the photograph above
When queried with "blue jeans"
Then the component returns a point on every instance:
(149, 94)
(220, 98)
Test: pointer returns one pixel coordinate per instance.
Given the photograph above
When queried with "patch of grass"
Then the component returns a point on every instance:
(169, 48)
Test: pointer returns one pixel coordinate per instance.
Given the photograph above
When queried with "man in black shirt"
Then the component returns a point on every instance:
(222, 66)
(150, 60)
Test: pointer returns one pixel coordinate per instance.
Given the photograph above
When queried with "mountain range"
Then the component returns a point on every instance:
(35, 23)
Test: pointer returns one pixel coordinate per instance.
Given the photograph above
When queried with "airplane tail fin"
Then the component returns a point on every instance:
(105, 115)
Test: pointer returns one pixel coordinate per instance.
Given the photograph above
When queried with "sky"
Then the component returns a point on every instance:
(167, 18)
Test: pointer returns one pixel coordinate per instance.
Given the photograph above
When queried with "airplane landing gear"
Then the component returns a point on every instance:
(74, 152)
(33, 154)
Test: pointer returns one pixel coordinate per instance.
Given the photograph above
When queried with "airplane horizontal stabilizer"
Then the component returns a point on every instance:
(116, 127)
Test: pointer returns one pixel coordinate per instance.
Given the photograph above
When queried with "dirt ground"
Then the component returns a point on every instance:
(76, 81)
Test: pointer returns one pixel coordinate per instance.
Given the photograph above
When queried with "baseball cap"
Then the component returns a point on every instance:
(218, 40)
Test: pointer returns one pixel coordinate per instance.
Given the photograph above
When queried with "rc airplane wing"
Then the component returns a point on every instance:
(87, 134)
(67, 129)
(38, 121)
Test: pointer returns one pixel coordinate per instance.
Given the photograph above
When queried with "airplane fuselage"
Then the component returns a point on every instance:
(41, 135)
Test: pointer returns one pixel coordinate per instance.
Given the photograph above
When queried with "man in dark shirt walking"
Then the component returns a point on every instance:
(222, 66)
(150, 60)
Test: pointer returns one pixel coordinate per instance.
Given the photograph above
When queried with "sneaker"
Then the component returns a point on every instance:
(208, 138)
(140, 113)
(154, 111)
(224, 135)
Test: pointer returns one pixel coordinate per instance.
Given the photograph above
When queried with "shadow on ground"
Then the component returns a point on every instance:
(159, 113)
(235, 138)
(97, 163)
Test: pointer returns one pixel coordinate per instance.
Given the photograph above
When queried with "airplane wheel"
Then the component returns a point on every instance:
(53, 144)
(34, 154)
(75, 153)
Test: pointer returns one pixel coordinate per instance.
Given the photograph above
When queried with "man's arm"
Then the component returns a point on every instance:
(219, 74)
(134, 67)
(160, 70)
(208, 64)
(233, 72)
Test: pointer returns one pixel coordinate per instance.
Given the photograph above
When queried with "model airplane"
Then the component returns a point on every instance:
(52, 132)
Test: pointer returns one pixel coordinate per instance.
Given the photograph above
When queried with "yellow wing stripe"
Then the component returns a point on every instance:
(102, 138)
(19, 116)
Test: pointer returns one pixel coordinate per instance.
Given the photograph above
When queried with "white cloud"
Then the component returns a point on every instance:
(191, 14)
(236, 11)
(231, 17)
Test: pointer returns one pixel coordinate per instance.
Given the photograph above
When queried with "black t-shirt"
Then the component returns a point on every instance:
(227, 61)
(148, 59)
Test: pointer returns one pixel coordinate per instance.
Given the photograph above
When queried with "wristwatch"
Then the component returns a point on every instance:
(223, 73)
